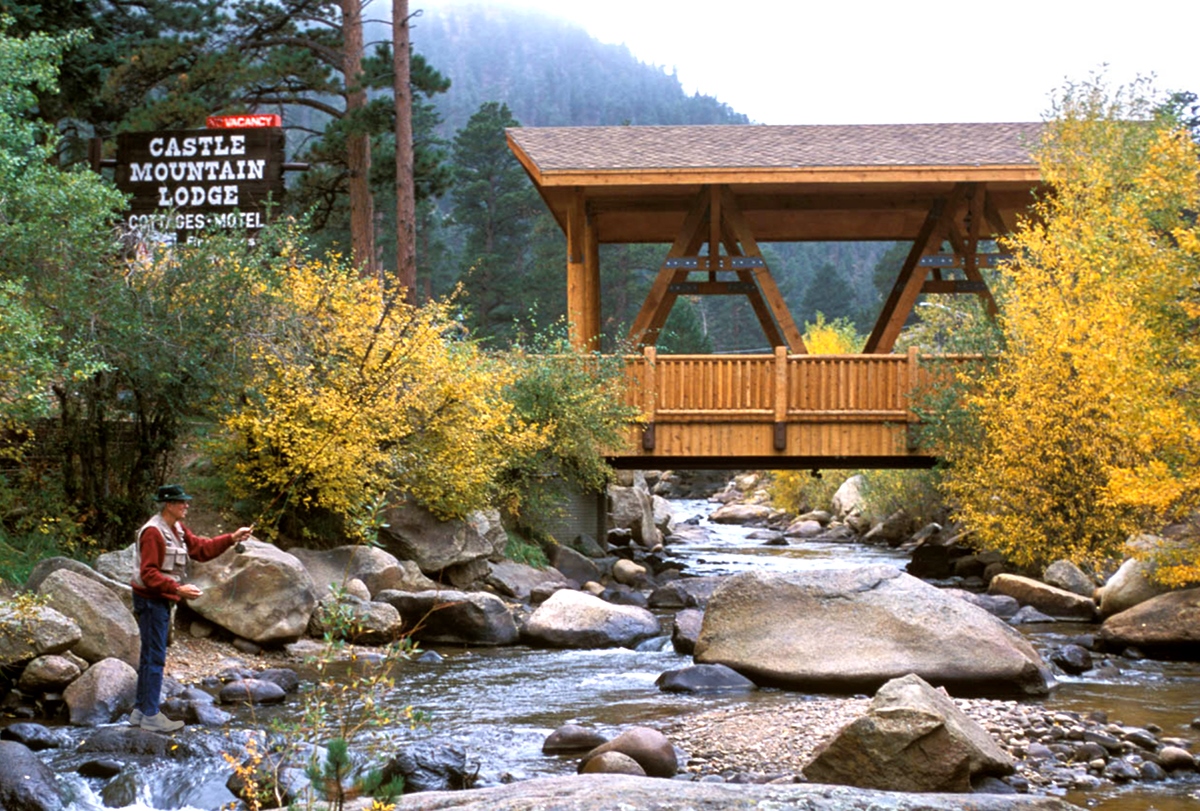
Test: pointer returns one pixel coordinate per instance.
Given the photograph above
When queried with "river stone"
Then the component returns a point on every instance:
(108, 628)
(664, 516)
(376, 568)
(29, 631)
(571, 739)
(263, 594)
(851, 630)
(572, 619)
(119, 586)
(1072, 659)
(105, 691)
(455, 617)
(26, 783)
(251, 691)
(1054, 602)
(36, 736)
(573, 565)
(998, 605)
(686, 592)
(1173, 758)
(850, 498)
(703, 679)
(605, 792)
(413, 533)
(743, 514)
(804, 528)
(629, 573)
(354, 620)
(649, 747)
(48, 674)
(431, 767)
(1066, 575)
(912, 738)
(685, 630)
(1168, 624)
(519, 580)
(1130, 584)
(611, 763)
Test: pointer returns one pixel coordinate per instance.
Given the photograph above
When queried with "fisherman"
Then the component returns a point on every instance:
(164, 546)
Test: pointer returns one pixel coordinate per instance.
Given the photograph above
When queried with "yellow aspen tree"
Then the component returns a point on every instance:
(1087, 428)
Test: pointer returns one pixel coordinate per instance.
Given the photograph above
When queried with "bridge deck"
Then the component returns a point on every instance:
(778, 411)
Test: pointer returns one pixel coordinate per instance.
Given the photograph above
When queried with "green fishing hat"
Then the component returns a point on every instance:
(171, 492)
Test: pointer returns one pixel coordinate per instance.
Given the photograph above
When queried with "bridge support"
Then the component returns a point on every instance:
(715, 219)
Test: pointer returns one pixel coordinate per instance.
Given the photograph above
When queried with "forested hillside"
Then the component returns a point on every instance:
(548, 72)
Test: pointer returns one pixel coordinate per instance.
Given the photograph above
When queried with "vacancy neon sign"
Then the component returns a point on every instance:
(240, 121)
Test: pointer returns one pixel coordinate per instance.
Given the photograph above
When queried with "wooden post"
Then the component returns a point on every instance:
(781, 398)
(591, 283)
(577, 281)
(649, 396)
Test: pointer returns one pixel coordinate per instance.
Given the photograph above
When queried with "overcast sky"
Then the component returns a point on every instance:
(893, 61)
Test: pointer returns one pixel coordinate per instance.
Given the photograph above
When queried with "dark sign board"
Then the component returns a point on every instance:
(185, 181)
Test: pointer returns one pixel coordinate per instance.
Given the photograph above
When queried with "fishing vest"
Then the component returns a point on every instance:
(175, 558)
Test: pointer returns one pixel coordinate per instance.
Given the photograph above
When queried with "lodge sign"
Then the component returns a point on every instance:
(189, 180)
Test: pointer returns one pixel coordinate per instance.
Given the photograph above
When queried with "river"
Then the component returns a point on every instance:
(499, 704)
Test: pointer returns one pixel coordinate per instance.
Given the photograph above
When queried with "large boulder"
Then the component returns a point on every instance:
(632, 507)
(1167, 624)
(454, 617)
(263, 594)
(850, 498)
(912, 738)
(572, 619)
(48, 674)
(1131, 584)
(29, 630)
(108, 627)
(1066, 575)
(378, 569)
(353, 619)
(119, 565)
(105, 691)
(852, 630)
(26, 783)
(519, 580)
(605, 792)
(1051, 601)
(47, 566)
(413, 533)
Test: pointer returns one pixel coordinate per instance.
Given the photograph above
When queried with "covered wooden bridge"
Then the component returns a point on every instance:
(713, 194)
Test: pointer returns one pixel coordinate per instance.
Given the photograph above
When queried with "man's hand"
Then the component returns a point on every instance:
(241, 532)
(189, 592)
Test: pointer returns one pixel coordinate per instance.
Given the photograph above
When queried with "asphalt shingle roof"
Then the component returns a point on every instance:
(561, 149)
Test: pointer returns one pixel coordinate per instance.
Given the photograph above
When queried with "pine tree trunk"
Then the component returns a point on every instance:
(406, 206)
(358, 143)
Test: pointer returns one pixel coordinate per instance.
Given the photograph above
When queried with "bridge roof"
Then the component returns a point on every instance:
(793, 182)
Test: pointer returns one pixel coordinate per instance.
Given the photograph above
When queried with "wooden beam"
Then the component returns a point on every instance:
(976, 204)
(660, 295)
(906, 288)
(771, 296)
(852, 175)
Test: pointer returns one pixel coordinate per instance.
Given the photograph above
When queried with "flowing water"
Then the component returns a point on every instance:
(500, 704)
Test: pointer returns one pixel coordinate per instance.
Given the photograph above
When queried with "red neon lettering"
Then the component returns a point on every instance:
(238, 121)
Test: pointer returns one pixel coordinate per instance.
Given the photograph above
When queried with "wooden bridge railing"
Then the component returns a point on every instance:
(780, 405)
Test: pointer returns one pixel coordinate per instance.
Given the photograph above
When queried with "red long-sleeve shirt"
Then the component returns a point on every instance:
(152, 549)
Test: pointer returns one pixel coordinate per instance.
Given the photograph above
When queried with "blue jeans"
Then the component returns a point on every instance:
(154, 621)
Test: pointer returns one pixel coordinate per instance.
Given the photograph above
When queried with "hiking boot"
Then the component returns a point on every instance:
(160, 723)
(135, 718)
